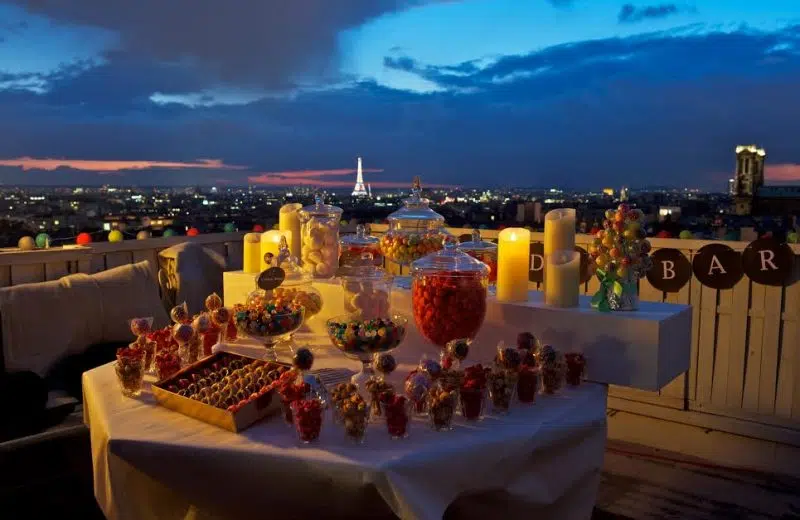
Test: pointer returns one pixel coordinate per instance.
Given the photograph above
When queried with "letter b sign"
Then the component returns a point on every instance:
(671, 270)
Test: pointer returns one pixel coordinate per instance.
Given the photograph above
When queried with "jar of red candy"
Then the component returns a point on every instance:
(307, 417)
(354, 246)
(449, 294)
(576, 364)
(397, 409)
(473, 392)
(414, 230)
(484, 251)
(527, 383)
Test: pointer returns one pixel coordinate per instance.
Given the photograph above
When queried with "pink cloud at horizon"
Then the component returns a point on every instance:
(286, 179)
(787, 172)
(308, 174)
(92, 165)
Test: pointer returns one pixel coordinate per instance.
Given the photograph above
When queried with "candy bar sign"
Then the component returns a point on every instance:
(768, 262)
(536, 273)
(671, 270)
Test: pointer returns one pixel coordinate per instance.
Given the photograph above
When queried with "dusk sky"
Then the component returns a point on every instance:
(494, 93)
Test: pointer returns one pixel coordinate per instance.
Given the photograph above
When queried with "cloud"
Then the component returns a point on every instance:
(629, 13)
(91, 165)
(239, 42)
(277, 180)
(782, 173)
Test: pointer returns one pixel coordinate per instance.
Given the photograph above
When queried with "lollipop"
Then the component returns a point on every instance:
(141, 326)
(458, 348)
(201, 323)
(303, 359)
(385, 363)
(182, 332)
(180, 313)
(213, 302)
(431, 367)
(221, 316)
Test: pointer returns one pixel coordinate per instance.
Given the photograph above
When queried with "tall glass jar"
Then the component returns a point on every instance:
(320, 238)
(353, 247)
(484, 251)
(448, 294)
(414, 230)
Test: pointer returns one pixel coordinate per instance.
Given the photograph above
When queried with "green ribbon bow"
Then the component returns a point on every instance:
(608, 282)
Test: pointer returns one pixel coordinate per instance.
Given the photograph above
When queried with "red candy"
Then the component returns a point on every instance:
(449, 306)
(210, 339)
(489, 259)
(307, 419)
(396, 409)
(473, 392)
(527, 383)
(167, 364)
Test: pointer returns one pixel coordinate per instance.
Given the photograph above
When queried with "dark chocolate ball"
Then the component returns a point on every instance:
(459, 349)
(385, 363)
(511, 358)
(303, 359)
(433, 368)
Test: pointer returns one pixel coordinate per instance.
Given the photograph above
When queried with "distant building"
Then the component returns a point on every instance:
(608, 191)
(623, 194)
(674, 212)
(731, 187)
(750, 196)
(360, 190)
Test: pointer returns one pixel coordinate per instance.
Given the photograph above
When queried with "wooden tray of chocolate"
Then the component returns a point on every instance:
(226, 390)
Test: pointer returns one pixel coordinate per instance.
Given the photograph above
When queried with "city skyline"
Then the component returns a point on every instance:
(493, 93)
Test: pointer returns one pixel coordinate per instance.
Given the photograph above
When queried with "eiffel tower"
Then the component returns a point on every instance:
(360, 190)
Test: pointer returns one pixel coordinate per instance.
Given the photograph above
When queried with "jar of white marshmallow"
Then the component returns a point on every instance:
(320, 238)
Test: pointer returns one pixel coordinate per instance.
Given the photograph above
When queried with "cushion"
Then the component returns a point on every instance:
(126, 292)
(37, 325)
(193, 272)
(44, 322)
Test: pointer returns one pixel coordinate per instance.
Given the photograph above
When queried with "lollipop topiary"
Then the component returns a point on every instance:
(620, 254)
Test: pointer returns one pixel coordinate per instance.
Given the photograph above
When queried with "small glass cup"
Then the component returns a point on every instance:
(354, 419)
(130, 374)
(576, 365)
(167, 363)
(441, 408)
(397, 410)
(472, 402)
(502, 387)
(527, 384)
(307, 418)
(552, 378)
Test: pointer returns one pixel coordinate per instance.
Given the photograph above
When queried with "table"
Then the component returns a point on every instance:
(542, 460)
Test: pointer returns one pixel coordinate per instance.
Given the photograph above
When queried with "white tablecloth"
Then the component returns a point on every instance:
(540, 461)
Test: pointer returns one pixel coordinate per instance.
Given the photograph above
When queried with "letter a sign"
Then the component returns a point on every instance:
(718, 266)
(768, 262)
(671, 270)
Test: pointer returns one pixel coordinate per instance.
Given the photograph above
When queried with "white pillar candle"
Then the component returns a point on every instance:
(252, 253)
(559, 233)
(513, 264)
(289, 220)
(270, 242)
(563, 278)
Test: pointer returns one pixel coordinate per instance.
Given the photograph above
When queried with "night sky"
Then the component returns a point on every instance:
(569, 93)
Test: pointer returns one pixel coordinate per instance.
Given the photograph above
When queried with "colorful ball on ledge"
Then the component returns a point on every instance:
(83, 239)
(686, 234)
(169, 233)
(42, 240)
(26, 244)
(192, 232)
(143, 235)
(115, 235)
(258, 228)
(792, 237)
(230, 227)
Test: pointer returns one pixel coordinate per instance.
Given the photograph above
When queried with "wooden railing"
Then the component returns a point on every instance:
(745, 364)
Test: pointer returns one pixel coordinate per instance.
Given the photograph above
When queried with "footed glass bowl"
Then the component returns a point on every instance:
(362, 338)
(269, 327)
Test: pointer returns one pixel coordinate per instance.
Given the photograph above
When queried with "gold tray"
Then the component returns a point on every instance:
(266, 405)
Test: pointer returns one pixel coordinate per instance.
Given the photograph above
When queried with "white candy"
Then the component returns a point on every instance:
(320, 252)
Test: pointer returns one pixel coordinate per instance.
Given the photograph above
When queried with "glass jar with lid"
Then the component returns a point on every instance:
(319, 234)
(448, 294)
(367, 289)
(353, 246)
(484, 251)
(415, 230)
(295, 289)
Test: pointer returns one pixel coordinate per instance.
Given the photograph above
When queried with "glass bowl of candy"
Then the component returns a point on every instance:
(353, 247)
(482, 250)
(270, 323)
(296, 287)
(414, 230)
(448, 295)
(320, 238)
(360, 339)
(366, 290)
